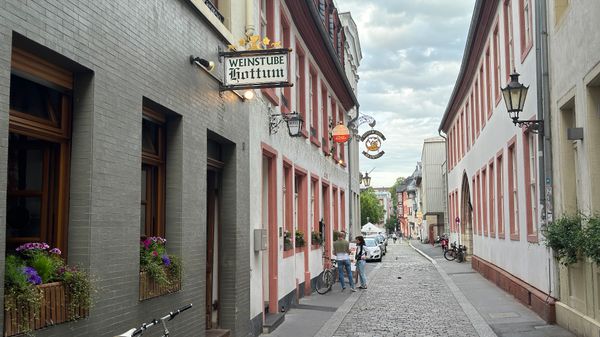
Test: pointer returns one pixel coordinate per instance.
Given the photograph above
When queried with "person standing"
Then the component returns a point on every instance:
(341, 249)
(361, 261)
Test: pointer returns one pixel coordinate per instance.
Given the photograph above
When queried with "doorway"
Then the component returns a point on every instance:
(213, 235)
(269, 221)
(466, 216)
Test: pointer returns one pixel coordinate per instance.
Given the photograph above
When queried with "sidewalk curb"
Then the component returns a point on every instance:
(480, 325)
(329, 328)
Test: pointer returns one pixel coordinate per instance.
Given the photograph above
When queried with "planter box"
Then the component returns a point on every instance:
(54, 309)
(150, 288)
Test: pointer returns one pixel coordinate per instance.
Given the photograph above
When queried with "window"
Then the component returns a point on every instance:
(267, 28)
(500, 191)
(343, 209)
(459, 138)
(336, 223)
(488, 82)
(314, 203)
(497, 75)
(477, 108)
(475, 204)
(526, 25)
(324, 119)
(529, 159)
(508, 39)
(481, 94)
(484, 201)
(301, 86)
(491, 196)
(341, 145)
(468, 126)
(313, 107)
(152, 219)
(333, 124)
(513, 202)
(301, 194)
(39, 142)
(286, 43)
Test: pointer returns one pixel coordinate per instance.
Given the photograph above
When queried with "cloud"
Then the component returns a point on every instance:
(412, 52)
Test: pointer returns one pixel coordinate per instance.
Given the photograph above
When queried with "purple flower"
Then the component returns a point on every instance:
(166, 260)
(32, 246)
(55, 251)
(32, 275)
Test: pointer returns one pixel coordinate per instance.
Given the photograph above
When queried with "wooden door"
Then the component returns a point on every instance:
(212, 266)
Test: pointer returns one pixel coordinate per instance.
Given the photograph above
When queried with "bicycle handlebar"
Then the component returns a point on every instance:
(153, 322)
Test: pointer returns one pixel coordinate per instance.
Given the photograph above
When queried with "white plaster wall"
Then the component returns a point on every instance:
(528, 261)
(300, 152)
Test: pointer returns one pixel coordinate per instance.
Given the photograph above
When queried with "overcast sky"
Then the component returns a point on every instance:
(412, 51)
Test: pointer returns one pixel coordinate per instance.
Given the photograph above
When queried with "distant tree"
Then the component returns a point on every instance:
(370, 207)
(392, 191)
(391, 224)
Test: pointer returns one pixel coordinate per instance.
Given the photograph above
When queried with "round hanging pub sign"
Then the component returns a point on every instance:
(373, 140)
(340, 133)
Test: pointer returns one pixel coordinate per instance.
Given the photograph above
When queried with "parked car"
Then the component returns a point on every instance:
(373, 249)
(380, 242)
(383, 238)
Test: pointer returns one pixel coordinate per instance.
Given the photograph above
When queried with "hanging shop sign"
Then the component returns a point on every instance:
(340, 133)
(251, 69)
(373, 140)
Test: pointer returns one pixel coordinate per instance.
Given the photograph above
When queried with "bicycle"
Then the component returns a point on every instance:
(325, 281)
(455, 252)
(163, 320)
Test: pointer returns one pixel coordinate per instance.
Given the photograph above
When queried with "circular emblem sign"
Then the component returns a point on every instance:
(373, 140)
(340, 133)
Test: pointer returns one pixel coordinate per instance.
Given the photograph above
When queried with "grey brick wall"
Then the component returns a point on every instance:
(123, 52)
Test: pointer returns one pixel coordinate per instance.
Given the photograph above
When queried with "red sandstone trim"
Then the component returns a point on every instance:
(538, 301)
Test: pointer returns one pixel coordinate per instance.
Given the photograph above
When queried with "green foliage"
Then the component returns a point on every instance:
(299, 239)
(392, 191)
(19, 292)
(392, 222)
(370, 207)
(163, 268)
(565, 237)
(287, 240)
(45, 265)
(79, 287)
(591, 238)
(316, 238)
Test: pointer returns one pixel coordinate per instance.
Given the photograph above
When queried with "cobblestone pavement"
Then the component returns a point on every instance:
(406, 297)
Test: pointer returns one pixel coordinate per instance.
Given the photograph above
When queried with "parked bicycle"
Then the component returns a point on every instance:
(163, 320)
(325, 281)
(457, 253)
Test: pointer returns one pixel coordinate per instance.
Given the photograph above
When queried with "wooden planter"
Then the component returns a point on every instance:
(54, 309)
(150, 288)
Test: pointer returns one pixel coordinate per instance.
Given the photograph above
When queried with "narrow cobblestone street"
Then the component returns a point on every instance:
(406, 297)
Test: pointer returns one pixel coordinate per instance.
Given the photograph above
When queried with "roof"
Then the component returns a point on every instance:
(481, 23)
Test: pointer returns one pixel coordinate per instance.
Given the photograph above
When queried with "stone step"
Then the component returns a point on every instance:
(272, 321)
(217, 333)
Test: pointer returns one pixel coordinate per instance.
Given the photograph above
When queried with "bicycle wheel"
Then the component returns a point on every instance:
(324, 282)
(450, 255)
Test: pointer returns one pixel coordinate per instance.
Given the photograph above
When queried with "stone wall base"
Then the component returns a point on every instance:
(576, 322)
(538, 301)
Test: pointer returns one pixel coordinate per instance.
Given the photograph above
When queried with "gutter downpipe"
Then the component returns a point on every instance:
(546, 198)
(446, 187)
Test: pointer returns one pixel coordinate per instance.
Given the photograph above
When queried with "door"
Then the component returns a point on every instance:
(212, 248)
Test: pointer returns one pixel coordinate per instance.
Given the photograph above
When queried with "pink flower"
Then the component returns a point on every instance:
(155, 253)
(55, 251)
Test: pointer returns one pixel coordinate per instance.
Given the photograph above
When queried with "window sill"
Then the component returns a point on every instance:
(532, 238)
(271, 96)
(288, 253)
(525, 52)
(315, 141)
(515, 237)
(213, 20)
(299, 249)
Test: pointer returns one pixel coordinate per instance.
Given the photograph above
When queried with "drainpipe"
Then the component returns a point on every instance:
(446, 185)
(545, 139)
(250, 18)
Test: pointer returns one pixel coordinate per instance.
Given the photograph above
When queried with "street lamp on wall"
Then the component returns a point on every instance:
(514, 97)
(293, 120)
(366, 180)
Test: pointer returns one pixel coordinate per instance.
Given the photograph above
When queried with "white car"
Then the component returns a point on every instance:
(373, 249)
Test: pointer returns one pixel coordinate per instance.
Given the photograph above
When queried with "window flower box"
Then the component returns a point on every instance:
(40, 290)
(150, 288)
(54, 309)
(160, 273)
